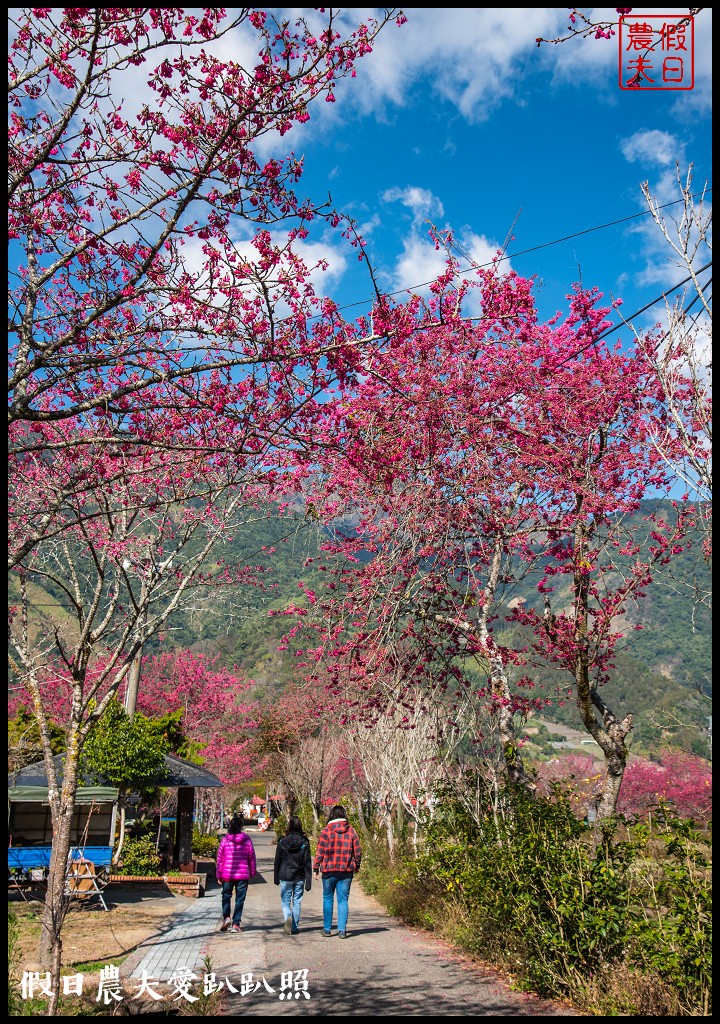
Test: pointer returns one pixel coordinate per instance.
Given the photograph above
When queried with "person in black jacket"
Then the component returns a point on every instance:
(293, 872)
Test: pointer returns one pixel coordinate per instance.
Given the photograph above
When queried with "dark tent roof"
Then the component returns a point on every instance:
(184, 773)
(177, 773)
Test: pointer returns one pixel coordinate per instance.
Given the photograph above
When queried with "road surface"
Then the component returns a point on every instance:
(382, 968)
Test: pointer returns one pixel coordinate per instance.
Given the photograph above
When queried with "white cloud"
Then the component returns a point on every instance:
(474, 56)
(420, 201)
(482, 250)
(653, 146)
(420, 261)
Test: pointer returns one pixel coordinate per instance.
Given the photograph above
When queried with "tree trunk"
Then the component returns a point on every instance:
(62, 806)
(610, 735)
(517, 777)
(388, 818)
(358, 801)
(121, 837)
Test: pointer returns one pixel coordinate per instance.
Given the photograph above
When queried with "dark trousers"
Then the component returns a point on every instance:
(240, 886)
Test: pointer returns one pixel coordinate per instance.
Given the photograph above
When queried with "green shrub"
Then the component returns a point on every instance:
(279, 826)
(204, 845)
(671, 934)
(303, 810)
(618, 923)
(139, 856)
(13, 962)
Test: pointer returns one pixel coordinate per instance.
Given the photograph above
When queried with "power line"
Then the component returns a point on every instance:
(536, 248)
(626, 320)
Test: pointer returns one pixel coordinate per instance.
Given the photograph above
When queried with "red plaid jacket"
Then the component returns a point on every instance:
(338, 848)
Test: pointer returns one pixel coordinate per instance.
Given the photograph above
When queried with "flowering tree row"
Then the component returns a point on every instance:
(682, 781)
(163, 367)
(473, 456)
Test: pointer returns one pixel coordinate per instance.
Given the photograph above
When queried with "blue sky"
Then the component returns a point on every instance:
(459, 118)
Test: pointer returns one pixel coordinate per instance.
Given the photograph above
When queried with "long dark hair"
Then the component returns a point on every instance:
(295, 825)
(236, 825)
(338, 811)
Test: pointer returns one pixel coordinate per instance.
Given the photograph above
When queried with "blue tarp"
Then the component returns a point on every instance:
(25, 858)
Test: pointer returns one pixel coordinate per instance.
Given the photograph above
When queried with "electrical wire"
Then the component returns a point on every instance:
(626, 320)
(535, 248)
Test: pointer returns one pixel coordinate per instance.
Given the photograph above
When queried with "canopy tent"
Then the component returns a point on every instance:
(177, 773)
(29, 812)
(84, 795)
(29, 820)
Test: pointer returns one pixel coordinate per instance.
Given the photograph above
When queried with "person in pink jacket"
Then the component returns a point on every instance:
(235, 866)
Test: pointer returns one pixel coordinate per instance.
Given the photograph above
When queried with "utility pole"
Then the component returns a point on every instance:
(134, 674)
(152, 571)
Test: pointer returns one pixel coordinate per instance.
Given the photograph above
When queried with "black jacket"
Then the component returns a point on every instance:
(293, 861)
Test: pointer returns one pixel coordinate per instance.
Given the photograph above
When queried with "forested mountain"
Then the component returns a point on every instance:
(662, 672)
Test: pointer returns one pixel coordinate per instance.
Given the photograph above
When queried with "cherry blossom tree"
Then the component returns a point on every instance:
(216, 717)
(87, 601)
(682, 781)
(148, 288)
(125, 209)
(579, 776)
(300, 741)
(163, 369)
(473, 456)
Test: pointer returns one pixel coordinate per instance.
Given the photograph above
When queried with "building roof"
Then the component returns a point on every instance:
(184, 773)
(84, 795)
(177, 773)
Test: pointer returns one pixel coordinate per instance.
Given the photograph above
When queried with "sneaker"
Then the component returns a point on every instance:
(236, 928)
(225, 925)
(287, 927)
(342, 935)
(326, 934)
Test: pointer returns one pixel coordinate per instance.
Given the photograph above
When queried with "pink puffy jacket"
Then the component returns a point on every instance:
(235, 858)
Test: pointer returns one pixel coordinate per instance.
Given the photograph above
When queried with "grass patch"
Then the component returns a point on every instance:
(94, 966)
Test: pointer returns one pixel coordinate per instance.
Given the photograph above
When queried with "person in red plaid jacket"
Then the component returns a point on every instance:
(337, 858)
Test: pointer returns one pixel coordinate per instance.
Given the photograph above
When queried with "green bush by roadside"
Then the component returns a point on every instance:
(621, 926)
(204, 845)
(139, 856)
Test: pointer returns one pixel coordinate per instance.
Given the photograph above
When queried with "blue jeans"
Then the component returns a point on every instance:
(339, 887)
(291, 894)
(240, 886)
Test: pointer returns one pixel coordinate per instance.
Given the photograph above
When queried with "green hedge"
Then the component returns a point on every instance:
(139, 856)
(621, 925)
(204, 845)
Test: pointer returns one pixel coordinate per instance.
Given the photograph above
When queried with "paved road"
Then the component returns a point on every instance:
(382, 968)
